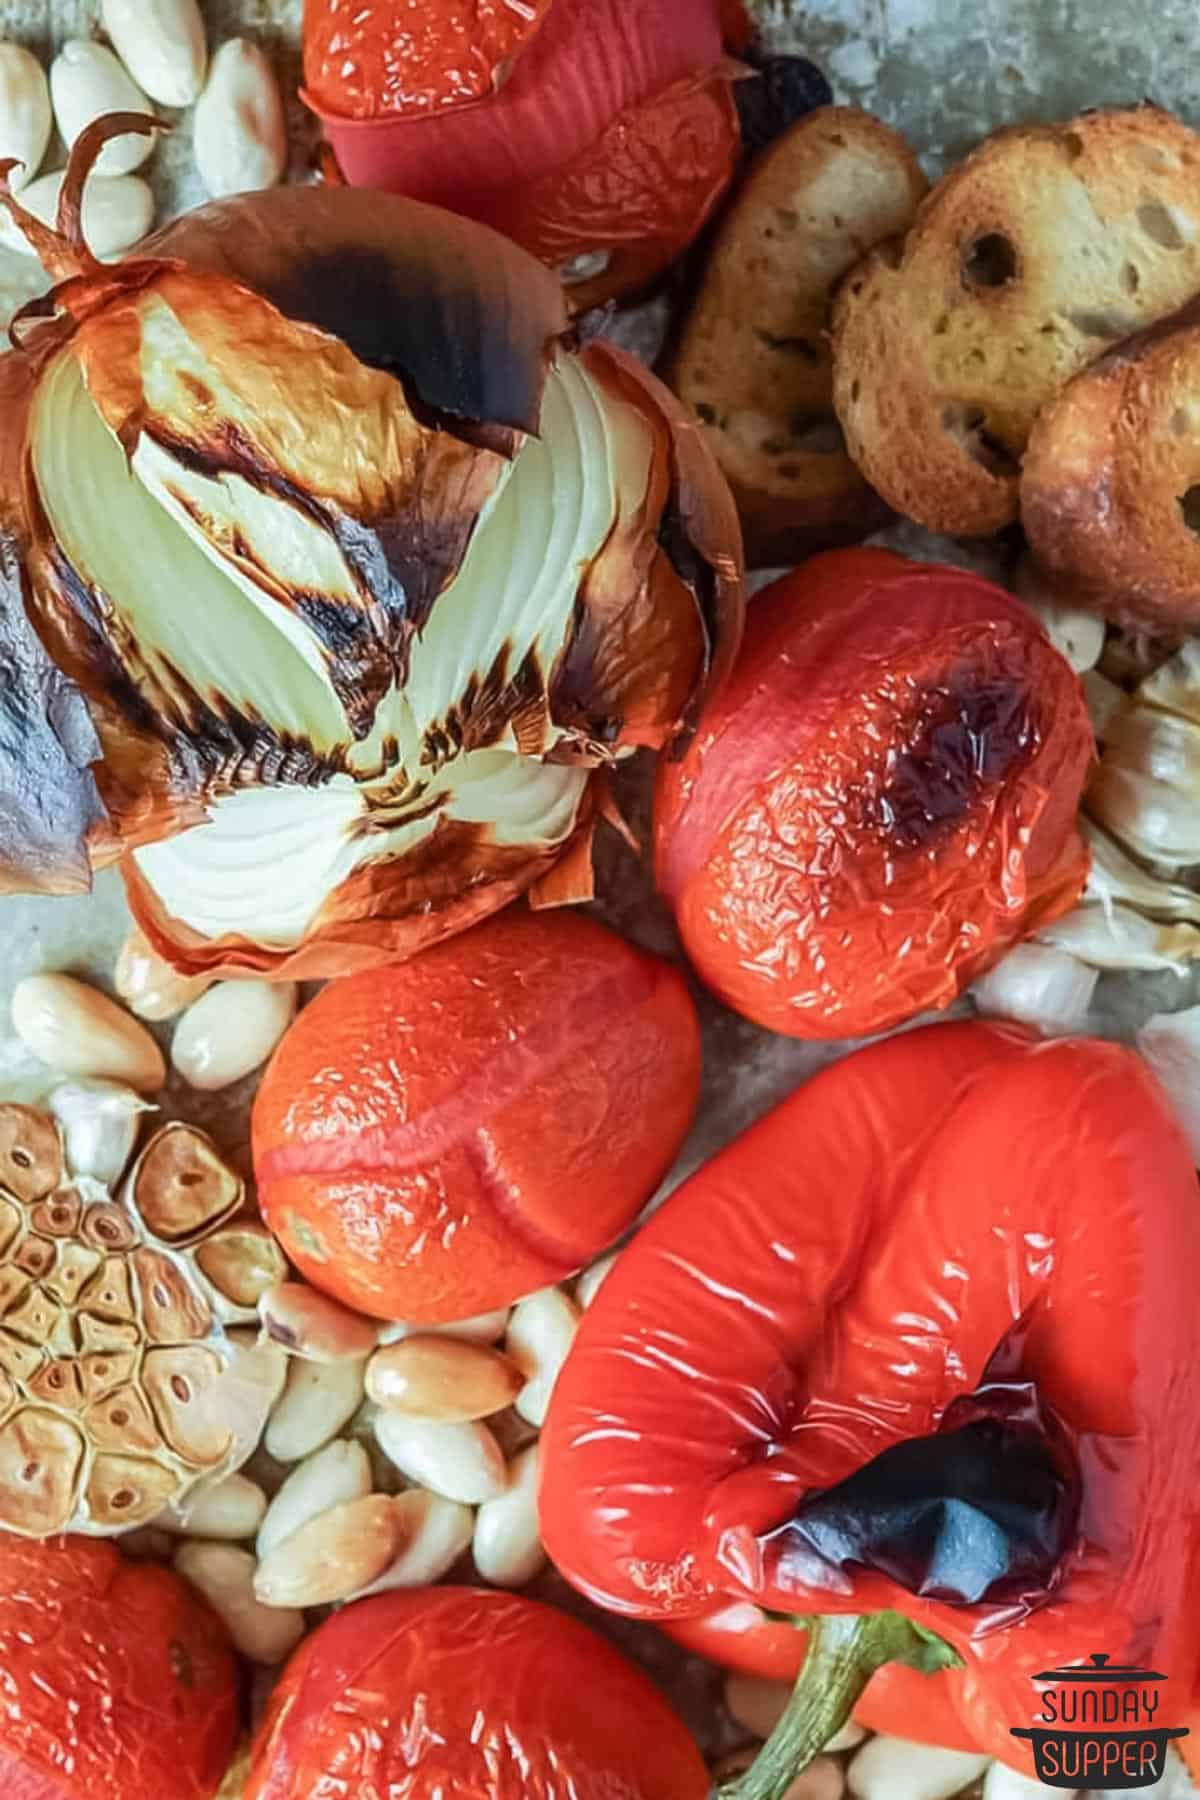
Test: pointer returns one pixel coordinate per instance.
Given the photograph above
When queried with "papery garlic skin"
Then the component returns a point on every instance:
(100, 1123)
(1039, 985)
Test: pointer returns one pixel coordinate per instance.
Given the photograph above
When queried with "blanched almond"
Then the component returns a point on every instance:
(442, 1378)
(86, 82)
(80, 1031)
(463, 1462)
(161, 43)
(507, 1545)
(240, 133)
(331, 1557)
(225, 1576)
(312, 1325)
(339, 1473)
(231, 1030)
(26, 120)
(147, 984)
(541, 1331)
(318, 1400)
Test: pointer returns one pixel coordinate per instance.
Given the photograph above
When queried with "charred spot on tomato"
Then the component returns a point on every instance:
(984, 1509)
(965, 736)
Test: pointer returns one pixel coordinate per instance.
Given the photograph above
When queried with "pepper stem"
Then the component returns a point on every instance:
(844, 1651)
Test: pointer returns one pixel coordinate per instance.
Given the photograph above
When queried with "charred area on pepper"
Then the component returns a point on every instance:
(984, 1510)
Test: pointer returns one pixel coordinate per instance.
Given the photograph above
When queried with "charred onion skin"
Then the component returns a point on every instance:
(880, 803)
(369, 369)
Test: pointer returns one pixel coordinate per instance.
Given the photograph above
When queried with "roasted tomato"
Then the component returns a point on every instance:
(882, 800)
(119, 1683)
(601, 139)
(454, 1691)
(899, 1701)
(435, 1140)
(362, 60)
(633, 201)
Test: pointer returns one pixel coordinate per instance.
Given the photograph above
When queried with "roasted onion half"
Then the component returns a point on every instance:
(350, 572)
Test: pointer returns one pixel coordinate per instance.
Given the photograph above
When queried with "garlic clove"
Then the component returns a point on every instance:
(313, 1326)
(1001, 1783)
(319, 1399)
(99, 1121)
(26, 118)
(86, 82)
(540, 1333)
(1039, 985)
(434, 1533)
(338, 1474)
(225, 1576)
(231, 1030)
(891, 1768)
(161, 43)
(332, 1556)
(507, 1544)
(240, 133)
(118, 211)
(150, 987)
(80, 1031)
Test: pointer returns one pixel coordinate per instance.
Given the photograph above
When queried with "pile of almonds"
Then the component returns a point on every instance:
(156, 54)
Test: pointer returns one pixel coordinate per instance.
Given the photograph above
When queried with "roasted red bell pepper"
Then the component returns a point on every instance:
(911, 1361)
(899, 1701)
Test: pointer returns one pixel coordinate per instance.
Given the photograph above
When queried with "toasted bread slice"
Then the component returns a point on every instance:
(1046, 246)
(753, 358)
(1110, 489)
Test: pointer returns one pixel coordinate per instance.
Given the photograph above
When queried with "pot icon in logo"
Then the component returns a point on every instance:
(1099, 1728)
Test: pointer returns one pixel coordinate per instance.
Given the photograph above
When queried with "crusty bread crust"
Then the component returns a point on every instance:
(753, 358)
(1047, 245)
(1110, 489)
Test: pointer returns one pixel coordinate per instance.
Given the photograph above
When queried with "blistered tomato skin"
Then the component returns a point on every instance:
(119, 1683)
(833, 1283)
(635, 199)
(880, 803)
(364, 57)
(434, 1140)
(482, 1695)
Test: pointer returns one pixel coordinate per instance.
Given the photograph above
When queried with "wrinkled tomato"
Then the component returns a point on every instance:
(634, 200)
(612, 136)
(436, 1139)
(366, 57)
(480, 1694)
(880, 802)
(119, 1682)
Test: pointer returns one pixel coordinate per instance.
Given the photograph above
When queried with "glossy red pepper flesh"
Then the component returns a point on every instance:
(833, 1282)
